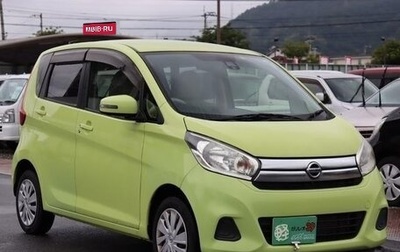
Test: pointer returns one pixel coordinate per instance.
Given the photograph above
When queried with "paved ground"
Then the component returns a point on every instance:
(392, 244)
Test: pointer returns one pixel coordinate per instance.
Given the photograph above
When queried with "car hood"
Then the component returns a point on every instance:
(290, 139)
(366, 116)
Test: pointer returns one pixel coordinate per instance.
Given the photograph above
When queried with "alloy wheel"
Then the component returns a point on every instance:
(27, 202)
(391, 179)
(171, 232)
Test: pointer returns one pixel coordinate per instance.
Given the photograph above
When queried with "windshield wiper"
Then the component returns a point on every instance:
(315, 114)
(7, 102)
(261, 117)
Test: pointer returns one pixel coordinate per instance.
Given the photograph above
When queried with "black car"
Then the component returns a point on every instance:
(386, 143)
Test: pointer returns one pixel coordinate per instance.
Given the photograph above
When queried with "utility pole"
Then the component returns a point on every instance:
(3, 33)
(218, 21)
(208, 14)
(41, 21)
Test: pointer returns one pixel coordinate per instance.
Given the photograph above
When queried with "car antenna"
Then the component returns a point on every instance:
(363, 87)
(381, 85)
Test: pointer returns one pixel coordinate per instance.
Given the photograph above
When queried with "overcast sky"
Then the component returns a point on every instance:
(174, 19)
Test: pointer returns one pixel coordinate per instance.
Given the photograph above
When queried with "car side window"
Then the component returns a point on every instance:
(64, 83)
(107, 80)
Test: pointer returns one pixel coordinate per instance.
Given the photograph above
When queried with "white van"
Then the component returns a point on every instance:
(340, 92)
(10, 101)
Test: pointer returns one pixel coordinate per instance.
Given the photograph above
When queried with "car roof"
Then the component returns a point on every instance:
(154, 45)
(325, 74)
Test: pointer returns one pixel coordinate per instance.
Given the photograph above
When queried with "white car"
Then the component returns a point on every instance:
(10, 102)
(339, 91)
(369, 115)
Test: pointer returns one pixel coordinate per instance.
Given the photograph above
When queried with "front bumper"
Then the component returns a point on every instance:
(213, 196)
(9, 131)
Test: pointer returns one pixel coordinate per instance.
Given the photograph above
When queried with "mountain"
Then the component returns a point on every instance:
(332, 27)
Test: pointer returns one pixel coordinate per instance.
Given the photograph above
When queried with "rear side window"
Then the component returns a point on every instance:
(64, 83)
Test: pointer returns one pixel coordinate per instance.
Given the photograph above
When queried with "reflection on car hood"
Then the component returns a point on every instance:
(283, 139)
(366, 116)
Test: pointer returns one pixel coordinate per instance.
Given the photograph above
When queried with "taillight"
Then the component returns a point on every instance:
(22, 112)
(22, 115)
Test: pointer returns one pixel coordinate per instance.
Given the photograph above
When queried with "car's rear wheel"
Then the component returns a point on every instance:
(174, 228)
(389, 168)
(31, 216)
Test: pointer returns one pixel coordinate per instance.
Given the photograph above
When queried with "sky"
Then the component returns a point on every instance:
(153, 19)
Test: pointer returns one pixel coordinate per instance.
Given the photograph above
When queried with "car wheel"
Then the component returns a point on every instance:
(31, 216)
(389, 168)
(174, 228)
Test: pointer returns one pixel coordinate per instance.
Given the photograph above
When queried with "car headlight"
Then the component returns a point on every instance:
(8, 116)
(366, 158)
(221, 158)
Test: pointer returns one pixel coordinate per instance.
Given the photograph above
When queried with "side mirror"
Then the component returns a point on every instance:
(119, 105)
(320, 96)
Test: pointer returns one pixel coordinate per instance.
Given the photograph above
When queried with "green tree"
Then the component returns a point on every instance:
(388, 53)
(298, 49)
(49, 31)
(229, 36)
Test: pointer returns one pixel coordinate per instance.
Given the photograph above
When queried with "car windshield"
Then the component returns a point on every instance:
(350, 89)
(221, 86)
(387, 96)
(10, 90)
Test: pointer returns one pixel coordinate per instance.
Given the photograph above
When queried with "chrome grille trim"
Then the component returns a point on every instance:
(299, 164)
(274, 171)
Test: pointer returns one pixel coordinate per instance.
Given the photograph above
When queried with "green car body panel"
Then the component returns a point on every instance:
(111, 172)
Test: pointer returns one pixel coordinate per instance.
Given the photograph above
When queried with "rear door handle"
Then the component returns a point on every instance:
(41, 111)
(86, 127)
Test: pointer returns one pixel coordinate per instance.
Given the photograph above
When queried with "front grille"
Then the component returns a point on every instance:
(307, 173)
(307, 185)
(366, 133)
(330, 227)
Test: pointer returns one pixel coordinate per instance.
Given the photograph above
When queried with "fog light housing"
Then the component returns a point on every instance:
(227, 230)
(381, 222)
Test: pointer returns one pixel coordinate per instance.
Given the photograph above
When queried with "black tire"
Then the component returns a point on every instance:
(389, 168)
(187, 230)
(31, 216)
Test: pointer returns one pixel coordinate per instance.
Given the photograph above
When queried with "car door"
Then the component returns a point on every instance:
(109, 148)
(56, 111)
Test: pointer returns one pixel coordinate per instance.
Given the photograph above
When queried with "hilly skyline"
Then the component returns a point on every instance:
(334, 27)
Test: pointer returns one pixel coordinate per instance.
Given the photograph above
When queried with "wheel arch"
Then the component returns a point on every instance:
(163, 192)
(22, 166)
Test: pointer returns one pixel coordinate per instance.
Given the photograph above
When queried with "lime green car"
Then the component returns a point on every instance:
(193, 146)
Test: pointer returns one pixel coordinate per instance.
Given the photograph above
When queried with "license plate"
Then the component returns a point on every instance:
(292, 230)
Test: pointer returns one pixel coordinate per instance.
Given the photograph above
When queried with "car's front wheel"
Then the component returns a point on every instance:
(31, 216)
(174, 228)
(389, 168)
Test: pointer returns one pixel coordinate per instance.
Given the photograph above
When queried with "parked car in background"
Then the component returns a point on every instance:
(386, 143)
(366, 116)
(338, 91)
(10, 103)
(173, 149)
(380, 76)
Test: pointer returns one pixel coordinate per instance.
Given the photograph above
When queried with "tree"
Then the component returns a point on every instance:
(49, 31)
(387, 54)
(298, 49)
(229, 36)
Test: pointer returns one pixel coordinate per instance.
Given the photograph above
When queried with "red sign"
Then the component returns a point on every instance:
(105, 28)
